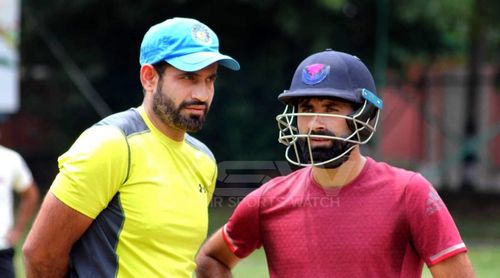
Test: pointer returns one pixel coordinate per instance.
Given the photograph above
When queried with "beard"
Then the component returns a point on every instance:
(164, 108)
(322, 154)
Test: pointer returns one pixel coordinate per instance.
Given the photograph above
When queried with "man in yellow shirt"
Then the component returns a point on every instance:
(132, 194)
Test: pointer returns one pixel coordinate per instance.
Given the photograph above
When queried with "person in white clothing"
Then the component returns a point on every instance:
(15, 176)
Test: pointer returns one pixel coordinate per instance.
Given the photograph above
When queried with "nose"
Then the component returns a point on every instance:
(203, 92)
(317, 124)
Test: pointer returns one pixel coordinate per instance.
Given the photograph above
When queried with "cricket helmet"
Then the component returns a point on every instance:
(337, 75)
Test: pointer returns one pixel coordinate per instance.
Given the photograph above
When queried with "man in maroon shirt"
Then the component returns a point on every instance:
(343, 214)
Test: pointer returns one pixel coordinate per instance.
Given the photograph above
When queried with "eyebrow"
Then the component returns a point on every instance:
(188, 73)
(326, 103)
(195, 74)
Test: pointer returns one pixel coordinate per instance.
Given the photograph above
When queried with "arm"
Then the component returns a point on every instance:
(215, 259)
(434, 233)
(27, 205)
(56, 228)
(455, 266)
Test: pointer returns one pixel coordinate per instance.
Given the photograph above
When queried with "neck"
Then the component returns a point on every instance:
(172, 132)
(341, 175)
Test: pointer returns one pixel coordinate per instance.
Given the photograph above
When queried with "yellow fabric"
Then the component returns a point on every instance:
(92, 170)
(164, 190)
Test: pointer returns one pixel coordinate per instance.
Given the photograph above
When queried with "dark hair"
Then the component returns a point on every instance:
(160, 67)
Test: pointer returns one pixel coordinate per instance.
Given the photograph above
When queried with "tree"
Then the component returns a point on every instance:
(269, 38)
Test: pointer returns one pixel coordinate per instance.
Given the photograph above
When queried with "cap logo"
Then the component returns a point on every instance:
(315, 73)
(201, 34)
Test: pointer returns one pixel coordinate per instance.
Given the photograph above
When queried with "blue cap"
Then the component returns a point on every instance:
(184, 43)
(331, 74)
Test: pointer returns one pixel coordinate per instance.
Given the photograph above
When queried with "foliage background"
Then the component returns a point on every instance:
(269, 38)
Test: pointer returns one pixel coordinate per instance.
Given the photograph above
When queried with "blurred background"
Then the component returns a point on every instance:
(64, 65)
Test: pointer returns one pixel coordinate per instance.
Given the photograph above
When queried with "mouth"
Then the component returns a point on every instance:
(320, 142)
(196, 109)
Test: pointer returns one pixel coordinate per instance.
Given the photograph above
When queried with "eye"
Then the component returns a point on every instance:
(332, 109)
(212, 78)
(188, 77)
(305, 109)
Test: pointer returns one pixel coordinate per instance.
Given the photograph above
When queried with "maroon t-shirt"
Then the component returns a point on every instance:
(385, 223)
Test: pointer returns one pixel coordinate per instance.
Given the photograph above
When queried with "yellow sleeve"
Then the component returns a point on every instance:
(92, 170)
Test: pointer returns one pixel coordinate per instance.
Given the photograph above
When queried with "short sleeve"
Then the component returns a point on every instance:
(92, 170)
(22, 175)
(434, 233)
(242, 231)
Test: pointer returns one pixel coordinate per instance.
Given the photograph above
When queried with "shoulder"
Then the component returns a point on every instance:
(10, 155)
(406, 180)
(129, 122)
(99, 137)
(95, 147)
(387, 172)
(384, 168)
(198, 145)
(115, 127)
(108, 137)
(6, 152)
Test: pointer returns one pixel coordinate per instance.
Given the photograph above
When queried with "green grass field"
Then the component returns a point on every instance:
(482, 237)
(485, 259)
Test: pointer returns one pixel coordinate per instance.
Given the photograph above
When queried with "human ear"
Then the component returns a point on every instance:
(149, 77)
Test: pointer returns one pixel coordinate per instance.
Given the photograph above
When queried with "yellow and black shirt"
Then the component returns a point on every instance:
(148, 196)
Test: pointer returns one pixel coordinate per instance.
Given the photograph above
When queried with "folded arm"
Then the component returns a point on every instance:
(47, 247)
(215, 259)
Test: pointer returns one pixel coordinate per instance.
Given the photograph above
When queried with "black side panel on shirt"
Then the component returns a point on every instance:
(94, 254)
